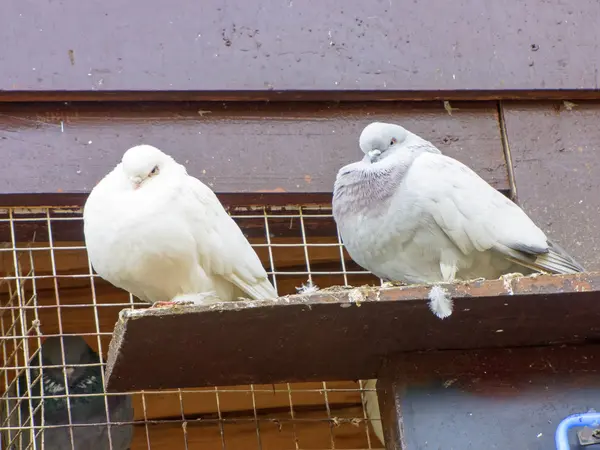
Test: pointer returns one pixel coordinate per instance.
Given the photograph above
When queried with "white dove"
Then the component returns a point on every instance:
(162, 235)
(408, 213)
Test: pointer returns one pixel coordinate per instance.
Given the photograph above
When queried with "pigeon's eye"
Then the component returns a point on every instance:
(393, 141)
(154, 171)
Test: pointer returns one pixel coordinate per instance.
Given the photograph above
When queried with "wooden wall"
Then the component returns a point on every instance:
(319, 49)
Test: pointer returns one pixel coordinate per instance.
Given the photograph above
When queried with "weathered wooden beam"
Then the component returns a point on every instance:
(245, 152)
(299, 95)
(342, 334)
(109, 47)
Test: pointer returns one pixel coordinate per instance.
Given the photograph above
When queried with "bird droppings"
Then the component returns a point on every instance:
(391, 284)
(450, 382)
(507, 281)
(449, 107)
(356, 296)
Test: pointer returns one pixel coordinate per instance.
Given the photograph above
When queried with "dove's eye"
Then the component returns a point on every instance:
(393, 141)
(154, 171)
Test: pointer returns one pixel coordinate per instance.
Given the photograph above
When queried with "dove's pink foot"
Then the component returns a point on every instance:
(163, 304)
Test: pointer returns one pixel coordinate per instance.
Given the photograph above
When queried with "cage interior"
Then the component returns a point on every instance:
(48, 288)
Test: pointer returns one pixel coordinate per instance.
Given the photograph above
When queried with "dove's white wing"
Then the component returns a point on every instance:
(476, 217)
(222, 247)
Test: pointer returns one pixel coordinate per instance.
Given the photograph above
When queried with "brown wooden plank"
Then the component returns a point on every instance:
(234, 148)
(557, 171)
(236, 400)
(331, 334)
(274, 46)
(298, 96)
(278, 431)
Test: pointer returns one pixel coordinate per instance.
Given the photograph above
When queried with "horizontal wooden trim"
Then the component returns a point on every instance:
(311, 45)
(58, 150)
(228, 199)
(300, 96)
(346, 427)
(343, 334)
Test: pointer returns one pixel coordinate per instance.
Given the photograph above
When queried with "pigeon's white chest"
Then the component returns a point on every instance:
(145, 249)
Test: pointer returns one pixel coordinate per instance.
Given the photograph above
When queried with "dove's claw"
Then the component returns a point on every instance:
(163, 304)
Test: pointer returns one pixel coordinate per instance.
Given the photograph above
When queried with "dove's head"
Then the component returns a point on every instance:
(378, 139)
(77, 352)
(144, 162)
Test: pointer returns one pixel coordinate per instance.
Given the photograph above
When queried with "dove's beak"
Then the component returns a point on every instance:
(136, 181)
(373, 154)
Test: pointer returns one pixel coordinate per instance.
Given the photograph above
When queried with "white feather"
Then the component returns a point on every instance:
(440, 302)
(308, 288)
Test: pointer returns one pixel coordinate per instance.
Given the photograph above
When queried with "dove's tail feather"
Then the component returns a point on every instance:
(556, 260)
(371, 405)
(258, 291)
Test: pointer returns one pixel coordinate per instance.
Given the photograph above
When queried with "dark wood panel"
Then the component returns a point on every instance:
(234, 148)
(556, 158)
(274, 46)
(342, 334)
(494, 397)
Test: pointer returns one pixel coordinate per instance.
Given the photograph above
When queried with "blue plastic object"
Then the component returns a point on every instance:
(561, 436)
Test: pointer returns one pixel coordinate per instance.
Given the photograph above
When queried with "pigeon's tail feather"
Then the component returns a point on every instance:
(258, 291)
(556, 260)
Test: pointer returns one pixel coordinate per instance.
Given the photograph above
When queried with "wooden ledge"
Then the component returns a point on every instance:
(342, 333)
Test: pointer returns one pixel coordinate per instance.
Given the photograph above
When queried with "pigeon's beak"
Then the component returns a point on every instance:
(136, 181)
(69, 371)
(373, 154)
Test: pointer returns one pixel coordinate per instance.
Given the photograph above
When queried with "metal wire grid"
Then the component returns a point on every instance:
(46, 287)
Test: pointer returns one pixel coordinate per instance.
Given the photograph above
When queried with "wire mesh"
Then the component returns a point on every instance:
(48, 289)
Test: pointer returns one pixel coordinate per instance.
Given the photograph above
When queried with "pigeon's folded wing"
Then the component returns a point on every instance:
(476, 217)
(222, 247)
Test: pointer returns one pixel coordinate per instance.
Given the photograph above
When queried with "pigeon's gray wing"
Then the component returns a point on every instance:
(222, 247)
(476, 217)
